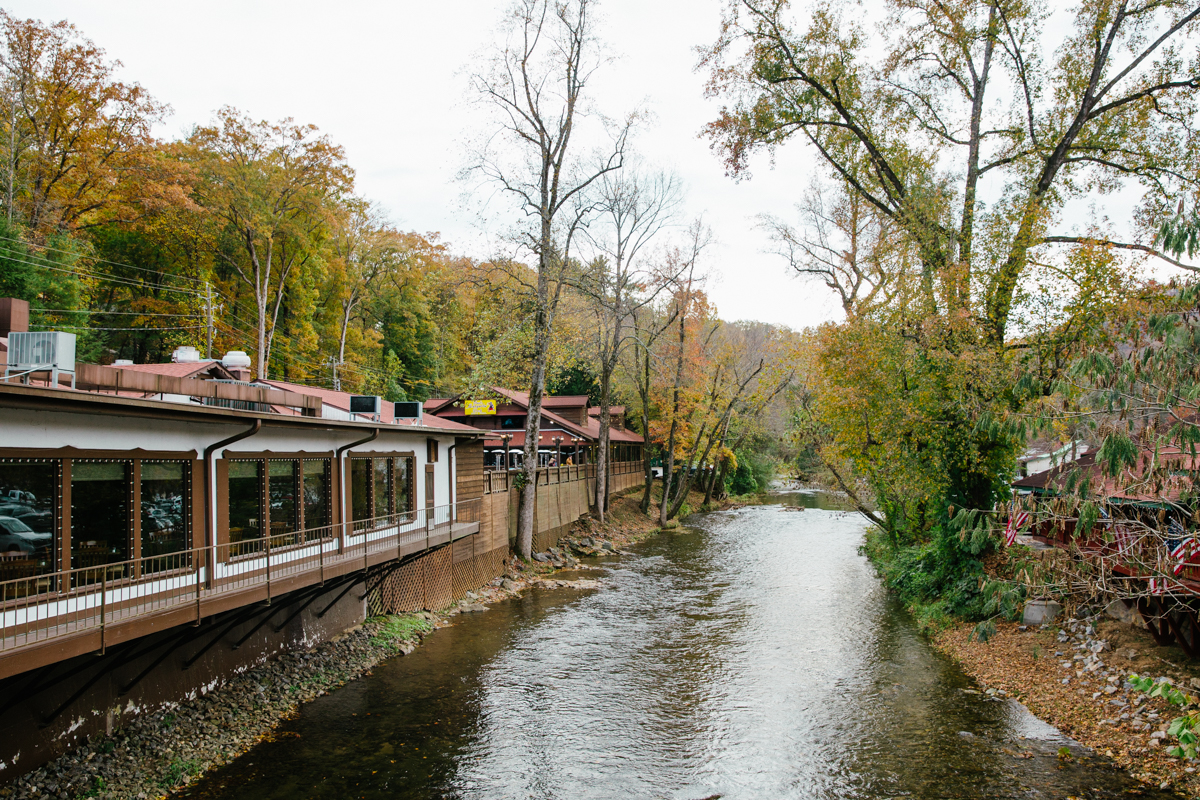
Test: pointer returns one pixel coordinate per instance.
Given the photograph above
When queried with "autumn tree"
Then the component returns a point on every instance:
(914, 118)
(633, 207)
(77, 143)
(535, 86)
(272, 188)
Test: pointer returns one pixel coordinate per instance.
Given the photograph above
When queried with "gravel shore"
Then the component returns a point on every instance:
(1073, 675)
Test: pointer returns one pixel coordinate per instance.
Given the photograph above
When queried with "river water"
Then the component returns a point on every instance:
(751, 655)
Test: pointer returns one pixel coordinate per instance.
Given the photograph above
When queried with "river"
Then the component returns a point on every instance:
(753, 655)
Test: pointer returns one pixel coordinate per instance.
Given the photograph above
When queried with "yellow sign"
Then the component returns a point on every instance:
(479, 408)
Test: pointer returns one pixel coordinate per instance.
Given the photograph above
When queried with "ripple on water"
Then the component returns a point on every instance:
(752, 655)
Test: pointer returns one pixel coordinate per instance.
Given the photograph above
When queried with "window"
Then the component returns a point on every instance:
(164, 515)
(431, 446)
(316, 493)
(281, 488)
(100, 519)
(28, 518)
(403, 482)
(245, 506)
(360, 488)
(383, 485)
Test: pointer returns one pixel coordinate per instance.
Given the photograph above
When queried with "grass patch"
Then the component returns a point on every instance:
(399, 628)
(177, 771)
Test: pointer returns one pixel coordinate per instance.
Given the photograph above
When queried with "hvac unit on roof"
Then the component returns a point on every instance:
(366, 404)
(41, 351)
(407, 409)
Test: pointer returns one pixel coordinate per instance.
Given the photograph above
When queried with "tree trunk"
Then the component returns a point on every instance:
(669, 466)
(602, 450)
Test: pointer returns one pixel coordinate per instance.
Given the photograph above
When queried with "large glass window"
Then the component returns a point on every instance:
(28, 513)
(382, 476)
(281, 488)
(245, 506)
(100, 520)
(404, 487)
(316, 493)
(360, 488)
(164, 514)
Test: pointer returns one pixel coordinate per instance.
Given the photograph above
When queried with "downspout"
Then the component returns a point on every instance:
(342, 476)
(450, 469)
(210, 486)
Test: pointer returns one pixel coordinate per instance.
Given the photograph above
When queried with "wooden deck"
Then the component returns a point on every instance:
(99, 607)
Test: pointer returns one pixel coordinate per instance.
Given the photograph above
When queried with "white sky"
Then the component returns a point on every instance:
(387, 81)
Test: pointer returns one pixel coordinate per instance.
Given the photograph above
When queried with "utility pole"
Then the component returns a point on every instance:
(208, 315)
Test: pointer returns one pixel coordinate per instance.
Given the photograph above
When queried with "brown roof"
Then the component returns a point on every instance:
(564, 400)
(183, 369)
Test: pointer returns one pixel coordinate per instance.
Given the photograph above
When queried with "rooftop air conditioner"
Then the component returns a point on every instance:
(41, 351)
(407, 409)
(366, 404)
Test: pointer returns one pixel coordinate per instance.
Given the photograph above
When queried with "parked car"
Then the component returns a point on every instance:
(17, 537)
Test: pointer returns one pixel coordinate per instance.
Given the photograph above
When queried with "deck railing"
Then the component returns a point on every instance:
(496, 481)
(40, 608)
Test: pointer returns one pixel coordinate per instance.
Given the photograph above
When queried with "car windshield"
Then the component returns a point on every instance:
(14, 525)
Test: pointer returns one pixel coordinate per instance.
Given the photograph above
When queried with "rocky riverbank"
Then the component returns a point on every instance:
(160, 753)
(1073, 674)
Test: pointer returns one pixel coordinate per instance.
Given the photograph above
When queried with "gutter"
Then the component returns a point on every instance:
(210, 484)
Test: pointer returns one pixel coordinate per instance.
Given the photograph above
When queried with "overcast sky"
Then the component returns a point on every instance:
(387, 80)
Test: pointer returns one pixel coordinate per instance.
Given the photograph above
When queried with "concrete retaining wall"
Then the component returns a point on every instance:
(45, 712)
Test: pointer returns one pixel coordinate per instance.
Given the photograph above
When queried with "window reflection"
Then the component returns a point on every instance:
(360, 488)
(281, 488)
(382, 485)
(245, 506)
(164, 514)
(99, 515)
(316, 493)
(27, 520)
(403, 482)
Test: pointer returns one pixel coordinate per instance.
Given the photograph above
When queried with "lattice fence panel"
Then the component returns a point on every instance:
(467, 576)
(474, 572)
(401, 591)
(439, 579)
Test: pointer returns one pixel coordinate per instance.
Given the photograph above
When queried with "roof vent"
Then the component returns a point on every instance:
(41, 351)
(122, 362)
(186, 355)
(236, 359)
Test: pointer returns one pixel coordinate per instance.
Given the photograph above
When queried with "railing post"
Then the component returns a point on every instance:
(196, 564)
(321, 557)
(268, 552)
(103, 604)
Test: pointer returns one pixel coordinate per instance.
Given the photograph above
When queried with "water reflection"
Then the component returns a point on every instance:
(754, 656)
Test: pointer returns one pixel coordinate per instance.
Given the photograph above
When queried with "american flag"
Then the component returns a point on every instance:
(1125, 538)
(1157, 585)
(1183, 551)
(1015, 523)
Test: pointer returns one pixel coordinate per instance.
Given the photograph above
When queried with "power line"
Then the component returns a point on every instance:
(101, 260)
(126, 313)
(142, 329)
(97, 276)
